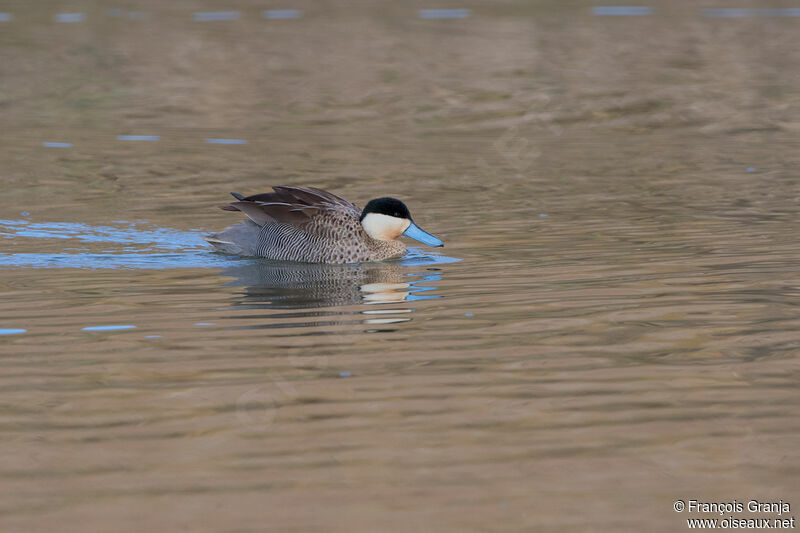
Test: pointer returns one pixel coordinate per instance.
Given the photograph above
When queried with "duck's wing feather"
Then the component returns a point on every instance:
(294, 206)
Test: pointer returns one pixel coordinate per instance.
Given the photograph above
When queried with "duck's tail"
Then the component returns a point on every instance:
(239, 239)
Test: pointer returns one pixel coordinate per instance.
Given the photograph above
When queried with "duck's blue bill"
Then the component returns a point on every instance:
(424, 237)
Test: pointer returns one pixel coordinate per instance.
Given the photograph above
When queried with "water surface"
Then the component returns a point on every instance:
(612, 325)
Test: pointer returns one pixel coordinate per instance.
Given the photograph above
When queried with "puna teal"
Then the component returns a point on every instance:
(315, 226)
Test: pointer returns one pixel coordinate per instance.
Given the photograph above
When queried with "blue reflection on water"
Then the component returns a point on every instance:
(124, 233)
(135, 246)
(70, 17)
(203, 16)
(111, 260)
(152, 138)
(444, 13)
(115, 327)
(226, 141)
(414, 294)
(12, 331)
(282, 14)
(622, 11)
(5, 17)
(57, 145)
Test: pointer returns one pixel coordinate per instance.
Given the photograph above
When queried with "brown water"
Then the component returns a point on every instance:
(614, 323)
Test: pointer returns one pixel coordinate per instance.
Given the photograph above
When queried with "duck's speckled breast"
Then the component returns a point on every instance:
(330, 237)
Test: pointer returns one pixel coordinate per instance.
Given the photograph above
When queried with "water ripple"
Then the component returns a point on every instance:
(139, 246)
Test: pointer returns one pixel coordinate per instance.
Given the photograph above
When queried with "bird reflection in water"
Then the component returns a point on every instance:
(289, 285)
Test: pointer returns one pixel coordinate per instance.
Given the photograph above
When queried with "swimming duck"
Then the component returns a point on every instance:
(315, 226)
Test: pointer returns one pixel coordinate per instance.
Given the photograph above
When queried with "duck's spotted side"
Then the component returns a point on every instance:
(315, 226)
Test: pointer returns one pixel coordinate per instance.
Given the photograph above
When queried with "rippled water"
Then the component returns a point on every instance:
(612, 325)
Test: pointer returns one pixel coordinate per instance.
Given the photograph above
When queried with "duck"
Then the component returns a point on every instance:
(311, 225)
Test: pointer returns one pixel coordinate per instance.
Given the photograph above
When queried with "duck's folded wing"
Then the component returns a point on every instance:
(312, 196)
(294, 206)
(263, 213)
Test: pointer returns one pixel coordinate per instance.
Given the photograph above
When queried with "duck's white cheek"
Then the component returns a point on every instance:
(384, 227)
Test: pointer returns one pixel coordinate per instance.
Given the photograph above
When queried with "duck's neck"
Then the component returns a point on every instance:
(386, 249)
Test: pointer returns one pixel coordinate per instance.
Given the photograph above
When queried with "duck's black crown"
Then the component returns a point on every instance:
(386, 206)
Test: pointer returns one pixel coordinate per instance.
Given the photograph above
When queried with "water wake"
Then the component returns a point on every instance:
(133, 245)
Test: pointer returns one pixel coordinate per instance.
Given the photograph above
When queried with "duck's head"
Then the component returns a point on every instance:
(386, 219)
